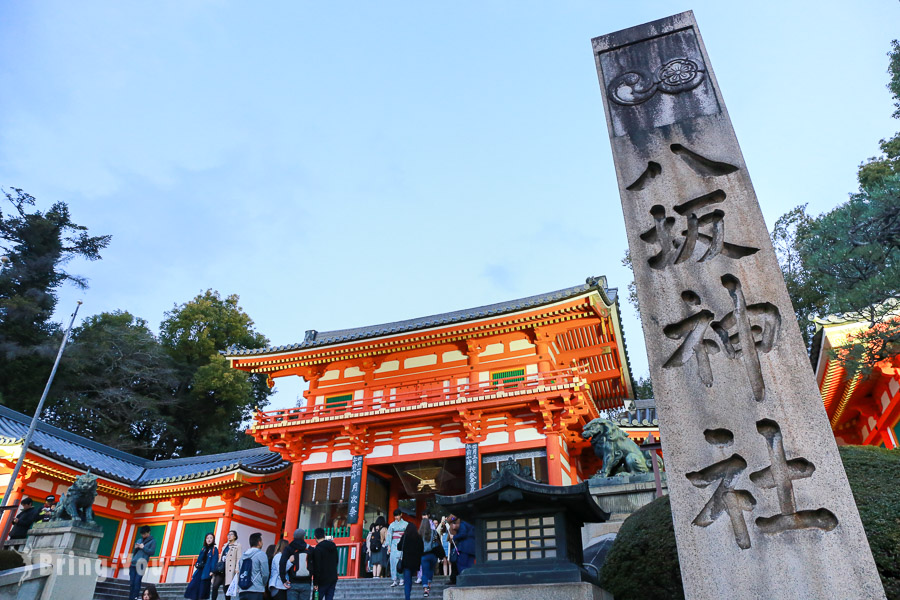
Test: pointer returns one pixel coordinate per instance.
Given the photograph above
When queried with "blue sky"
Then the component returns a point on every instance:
(348, 163)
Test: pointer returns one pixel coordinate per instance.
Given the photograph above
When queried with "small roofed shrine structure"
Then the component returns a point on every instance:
(863, 406)
(396, 413)
(181, 499)
(526, 532)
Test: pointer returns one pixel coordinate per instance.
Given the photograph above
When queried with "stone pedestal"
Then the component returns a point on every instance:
(69, 548)
(540, 591)
(619, 496)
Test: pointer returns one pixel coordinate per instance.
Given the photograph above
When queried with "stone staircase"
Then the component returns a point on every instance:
(117, 589)
(347, 589)
(380, 589)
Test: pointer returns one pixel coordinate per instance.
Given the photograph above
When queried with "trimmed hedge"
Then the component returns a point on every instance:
(643, 561)
(10, 559)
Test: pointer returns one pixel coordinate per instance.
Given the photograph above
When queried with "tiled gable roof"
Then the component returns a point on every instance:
(315, 338)
(123, 467)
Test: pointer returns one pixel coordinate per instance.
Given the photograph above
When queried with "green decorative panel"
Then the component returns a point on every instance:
(193, 535)
(338, 401)
(508, 378)
(110, 532)
(158, 532)
(343, 559)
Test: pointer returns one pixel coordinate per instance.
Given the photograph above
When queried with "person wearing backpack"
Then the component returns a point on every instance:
(254, 573)
(293, 568)
(375, 546)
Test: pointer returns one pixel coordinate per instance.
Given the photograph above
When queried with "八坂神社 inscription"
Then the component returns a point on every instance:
(760, 502)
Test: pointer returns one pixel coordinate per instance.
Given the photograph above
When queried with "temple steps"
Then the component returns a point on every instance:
(380, 589)
(117, 589)
(347, 589)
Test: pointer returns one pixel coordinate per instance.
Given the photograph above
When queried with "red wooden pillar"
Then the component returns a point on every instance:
(554, 462)
(393, 498)
(292, 517)
(230, 498)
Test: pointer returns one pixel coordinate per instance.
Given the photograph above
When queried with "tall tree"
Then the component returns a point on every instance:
(36, 246)
(847, 260)
(114, 383)
(211, 399)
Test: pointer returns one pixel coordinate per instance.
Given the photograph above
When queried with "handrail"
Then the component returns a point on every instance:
(424, 394)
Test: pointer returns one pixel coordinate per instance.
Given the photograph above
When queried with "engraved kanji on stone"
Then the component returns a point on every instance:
(726, 498)
(693, 330)
(704, 228)
(748, 331)
(743, 334)
(780, 476)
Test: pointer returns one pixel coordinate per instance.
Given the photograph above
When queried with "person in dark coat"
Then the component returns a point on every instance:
(199, 587)
(24, 520)
(464, 538)
(324, 567)
(412, 548)
(144, 549)
(293, 569)
(47, 510)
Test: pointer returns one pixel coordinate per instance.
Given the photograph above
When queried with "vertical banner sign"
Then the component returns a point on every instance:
(355, 486)
(471, 467)
(760, 501)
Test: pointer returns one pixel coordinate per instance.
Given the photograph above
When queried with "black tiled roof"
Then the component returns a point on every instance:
(126, 468)
(314, 338)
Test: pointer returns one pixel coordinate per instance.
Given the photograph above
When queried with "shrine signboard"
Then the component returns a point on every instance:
(760, 500)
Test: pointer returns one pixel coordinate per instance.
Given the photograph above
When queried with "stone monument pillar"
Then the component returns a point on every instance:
(70, 549)
(760, 501)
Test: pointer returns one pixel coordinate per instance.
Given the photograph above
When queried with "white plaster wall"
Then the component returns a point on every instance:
(452, 356)
(329, 375)
(215, 501)
(496, 437)
(341, 455)
(531, 369)
(529, 434)
(492, 349)
(451, 444)
(257, 507)
(316, 458)
(145, 508)
(381, 451)
(420, 361)
(45, 485)
(415, 447)
(388, 365)
(193, 503)
(178, 574)
(519, 345)
(119, 505)
(164, 506)
(353, 372)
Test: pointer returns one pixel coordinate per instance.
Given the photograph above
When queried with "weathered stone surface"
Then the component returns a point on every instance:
(68, 549)
(760, 501)
(544, 591)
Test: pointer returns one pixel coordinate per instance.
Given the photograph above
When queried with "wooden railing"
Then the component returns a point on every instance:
(426, 394)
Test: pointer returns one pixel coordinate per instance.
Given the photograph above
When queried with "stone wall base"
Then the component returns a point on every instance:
(540, 591)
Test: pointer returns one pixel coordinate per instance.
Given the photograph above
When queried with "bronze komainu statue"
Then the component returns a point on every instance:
(77, 501)
(619, 453)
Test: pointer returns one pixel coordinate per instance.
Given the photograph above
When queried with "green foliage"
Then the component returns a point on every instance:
(632, 288)
(806, 294)
(643, 388)
(211, 400)
(848, 259)
(36, 245)
(646, 542)
(873, 474)
(10, 559)
(894, 72)
(646, 545)
(114, 381)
